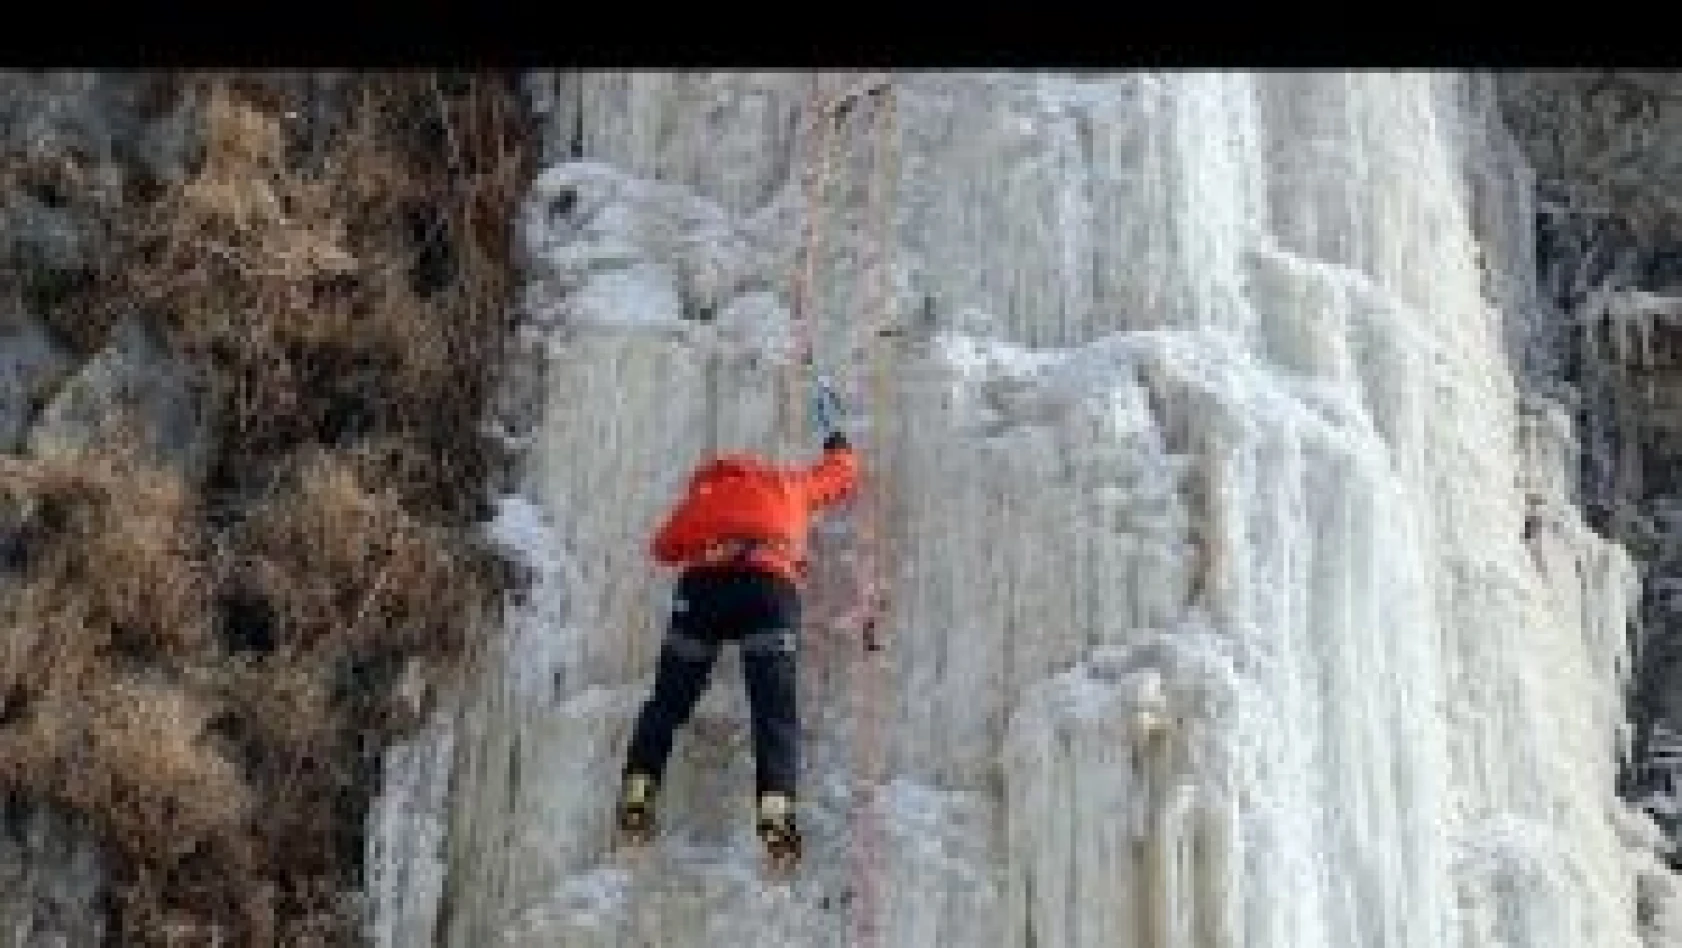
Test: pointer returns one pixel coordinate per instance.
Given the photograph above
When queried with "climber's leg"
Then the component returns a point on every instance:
(770, 672)
(681, 676)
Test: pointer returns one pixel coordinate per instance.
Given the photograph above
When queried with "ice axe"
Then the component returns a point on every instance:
(826, 406)
(827, 411)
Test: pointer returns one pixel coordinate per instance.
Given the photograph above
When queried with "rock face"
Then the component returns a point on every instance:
(71, 145)
(50, 881)
(131, 392)
(31, 366)
(1604, 147)
(1238, 593)
(73, 148)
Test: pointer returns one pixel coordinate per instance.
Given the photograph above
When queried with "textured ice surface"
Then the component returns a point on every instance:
(1213, 620)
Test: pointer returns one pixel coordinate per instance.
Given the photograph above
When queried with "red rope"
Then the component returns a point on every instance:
(820, 127)
(872, 589)
(818, 133)
(825, 116)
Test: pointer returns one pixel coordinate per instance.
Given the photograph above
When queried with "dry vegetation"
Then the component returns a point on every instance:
(207, 672)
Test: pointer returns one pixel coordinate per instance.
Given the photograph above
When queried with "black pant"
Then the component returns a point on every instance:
(713, 606)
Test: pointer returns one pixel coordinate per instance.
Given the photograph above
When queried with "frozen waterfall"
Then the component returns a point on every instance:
(1214, 617)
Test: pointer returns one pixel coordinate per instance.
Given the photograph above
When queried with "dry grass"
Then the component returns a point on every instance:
(370, 298)
(209, 671)
(116, 571)
(351, 564)
(138, 756)
(115, 599)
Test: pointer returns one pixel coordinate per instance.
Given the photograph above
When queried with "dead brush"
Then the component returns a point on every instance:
(135, 756)
(350, 569)
(44, 646)
(245, 209)
(236, 248)
(116, 557)
(273, 706)
(345, 315)
(302, 294)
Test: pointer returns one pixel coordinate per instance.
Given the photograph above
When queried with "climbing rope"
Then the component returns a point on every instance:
(827, 115)
(821, 125)
(872, 591)
(818, 132)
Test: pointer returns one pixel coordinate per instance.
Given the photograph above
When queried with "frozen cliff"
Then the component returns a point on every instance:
(1236, 595)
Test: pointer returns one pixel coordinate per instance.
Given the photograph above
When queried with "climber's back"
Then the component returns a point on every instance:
(738, 499)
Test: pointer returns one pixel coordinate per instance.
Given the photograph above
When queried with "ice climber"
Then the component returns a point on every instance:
(739, 538)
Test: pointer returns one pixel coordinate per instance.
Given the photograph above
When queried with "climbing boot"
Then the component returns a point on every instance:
(777, 830)
(636, 808)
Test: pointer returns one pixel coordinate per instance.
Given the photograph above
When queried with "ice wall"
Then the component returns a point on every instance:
(1234, 599)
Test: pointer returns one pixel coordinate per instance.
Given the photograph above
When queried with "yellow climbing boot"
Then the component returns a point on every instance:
(776, 827)
(636, 807)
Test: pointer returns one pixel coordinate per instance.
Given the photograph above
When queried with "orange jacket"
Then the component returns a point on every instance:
(741, 496)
